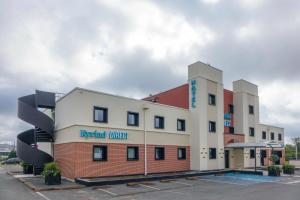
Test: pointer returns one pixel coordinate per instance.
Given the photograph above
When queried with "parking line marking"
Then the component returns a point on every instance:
(182, 183)
(43, 196)
(154, 188)
(109, 192)
(292, 182)
(210, 180)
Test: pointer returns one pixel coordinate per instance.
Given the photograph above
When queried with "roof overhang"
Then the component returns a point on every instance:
(254, 145)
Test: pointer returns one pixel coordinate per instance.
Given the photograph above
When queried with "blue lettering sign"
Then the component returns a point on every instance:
(227, 123)
(119, 135)
(193, 92)
(227, 116)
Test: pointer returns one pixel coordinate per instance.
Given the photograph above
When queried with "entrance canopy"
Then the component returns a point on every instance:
(254, 145)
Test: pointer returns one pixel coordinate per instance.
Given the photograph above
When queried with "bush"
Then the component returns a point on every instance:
(51, 169)
(288, 169)
(274, 170)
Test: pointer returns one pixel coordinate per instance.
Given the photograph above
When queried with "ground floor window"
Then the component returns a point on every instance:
(181, 153)
(159, 153)
(212, 153)
(99, 153)
(252, 153)
(132, 153)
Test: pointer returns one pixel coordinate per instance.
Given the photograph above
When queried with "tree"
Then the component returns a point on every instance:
(296, 141)
(12, 154)
(290, 152)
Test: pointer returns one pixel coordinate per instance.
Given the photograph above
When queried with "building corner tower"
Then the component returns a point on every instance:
(206, 97)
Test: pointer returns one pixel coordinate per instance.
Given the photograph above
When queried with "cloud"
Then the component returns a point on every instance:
(136, 47)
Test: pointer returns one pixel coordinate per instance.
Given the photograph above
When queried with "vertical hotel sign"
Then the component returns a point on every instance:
(193, 92)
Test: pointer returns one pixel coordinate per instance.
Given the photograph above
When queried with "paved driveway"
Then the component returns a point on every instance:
(205, 187)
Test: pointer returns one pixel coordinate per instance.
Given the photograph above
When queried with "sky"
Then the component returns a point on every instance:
(137, 47)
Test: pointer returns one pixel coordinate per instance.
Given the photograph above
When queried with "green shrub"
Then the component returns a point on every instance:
(274, 170)
(288, 169)
(51, 169)
(274, 158)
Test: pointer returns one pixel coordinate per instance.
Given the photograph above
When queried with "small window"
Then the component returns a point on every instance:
(251, 109)
(212, 153)
(180, 124)
(132, 153)
(100, 114)
(212, 126)
(231, 109)
(231, 130)
(181, 153)
(159, 122)
(212, 99)
(272, 136)
(264, 135)
(159, 153)
(99, 153)
(252, 153)
(132, 119)
(251, 131)
(279, 137)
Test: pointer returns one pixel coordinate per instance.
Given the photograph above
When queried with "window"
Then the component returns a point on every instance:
(272, 136)
(181, 153)
(212, 153)
(159, 153)
(159, 122)
(212, 126)
(132, 153)
(251, 109)
(132, 119)
(279, 137)
(180, 124)
(100, 114)
(251, 131)
(231, 109)
(264, 135)
(212, 99)
(231, 130)
(252, 153)
(99, 153)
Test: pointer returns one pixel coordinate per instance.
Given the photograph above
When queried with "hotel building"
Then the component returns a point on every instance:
(196, 126)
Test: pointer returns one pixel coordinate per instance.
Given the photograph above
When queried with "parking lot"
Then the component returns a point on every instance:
(204, 187)
(228, 187)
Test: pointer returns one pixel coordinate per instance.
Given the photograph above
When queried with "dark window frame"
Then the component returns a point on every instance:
(252, 154)
(137, 120)
(279, 137)
(231, 130)
(105, 155)
(272, 136)
(231, 109)
(136, 153)
(163, 122)
(251, 109)
(163, 155)
(214, 130)
(251, 133)
(184, 154)
(212, 156)
(264, 135)
(183, 127)
(105, 117)
(212, 99)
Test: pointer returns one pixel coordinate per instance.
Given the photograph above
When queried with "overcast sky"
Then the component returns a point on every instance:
(137, 47)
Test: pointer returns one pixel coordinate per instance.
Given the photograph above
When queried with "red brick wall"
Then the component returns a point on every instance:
(230, 138)
(178, 97)
(228, 99)
(78, 161)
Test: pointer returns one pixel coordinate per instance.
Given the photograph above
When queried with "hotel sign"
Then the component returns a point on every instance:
(116, 135)
(227, 119)
(193, 92)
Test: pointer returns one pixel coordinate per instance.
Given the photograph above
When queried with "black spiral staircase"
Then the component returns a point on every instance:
(29, 111)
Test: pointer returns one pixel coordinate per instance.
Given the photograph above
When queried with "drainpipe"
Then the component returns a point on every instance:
(145, 142)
